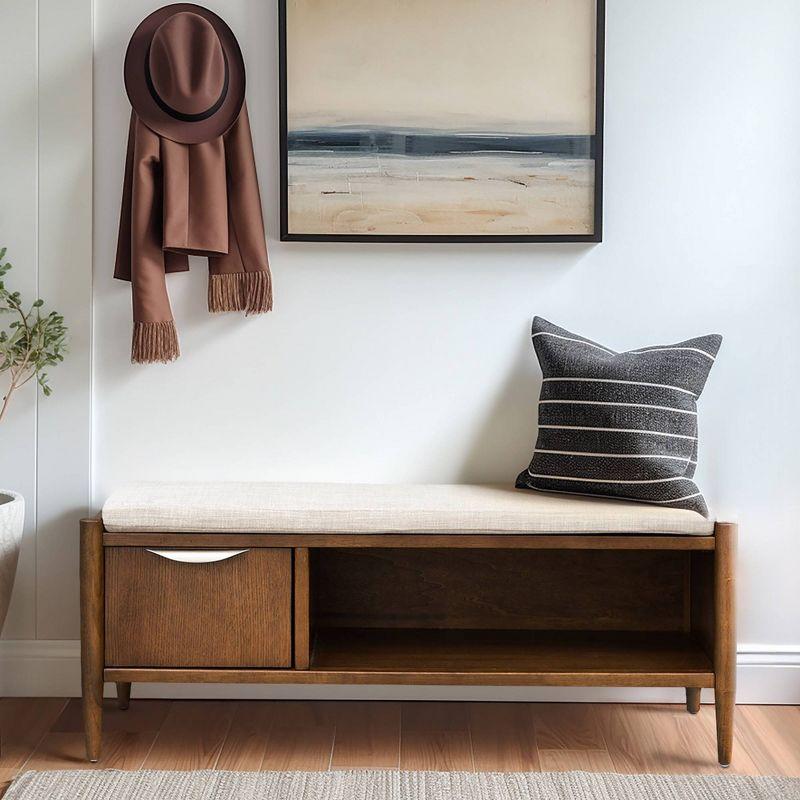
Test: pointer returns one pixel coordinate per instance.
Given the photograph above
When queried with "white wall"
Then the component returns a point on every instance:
(413, 362)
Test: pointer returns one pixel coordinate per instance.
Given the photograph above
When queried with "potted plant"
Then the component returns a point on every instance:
(30, 342)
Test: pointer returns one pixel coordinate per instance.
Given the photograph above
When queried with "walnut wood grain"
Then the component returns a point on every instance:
(302, 610)
(725, 637)
(415, 609)
(494, 658)
(123, 696)
(232, 613)
(414, 540)
(622, 590)
(409, 678)
(692, 699)
(701, 599)
(502, 651)
(92, 633)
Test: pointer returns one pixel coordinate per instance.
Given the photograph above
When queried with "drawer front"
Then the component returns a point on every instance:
(198, 608)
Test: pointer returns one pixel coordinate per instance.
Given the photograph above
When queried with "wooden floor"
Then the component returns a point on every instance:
(255, 735)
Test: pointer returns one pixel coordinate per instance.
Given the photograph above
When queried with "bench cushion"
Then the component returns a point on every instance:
(377, 508)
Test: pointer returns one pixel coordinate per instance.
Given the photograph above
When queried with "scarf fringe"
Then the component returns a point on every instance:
(154, 342)
(250, 292)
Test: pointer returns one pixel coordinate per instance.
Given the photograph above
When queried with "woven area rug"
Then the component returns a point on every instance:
(391, 785)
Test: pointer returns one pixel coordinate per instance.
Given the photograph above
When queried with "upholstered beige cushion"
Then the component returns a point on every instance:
(376, 508)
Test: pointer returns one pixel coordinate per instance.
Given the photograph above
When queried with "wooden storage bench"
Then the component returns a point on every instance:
(410, 585)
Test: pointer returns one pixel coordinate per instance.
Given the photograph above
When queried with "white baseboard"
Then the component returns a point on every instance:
(767, 674)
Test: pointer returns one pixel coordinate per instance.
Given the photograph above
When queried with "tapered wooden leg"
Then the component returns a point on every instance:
(123, 695)
(692, 699)
(725, 637)
(91, 577)
(725, 703)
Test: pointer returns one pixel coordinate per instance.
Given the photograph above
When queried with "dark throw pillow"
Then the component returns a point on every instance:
(619, 425)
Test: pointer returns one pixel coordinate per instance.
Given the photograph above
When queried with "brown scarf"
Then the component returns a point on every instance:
(190, 199)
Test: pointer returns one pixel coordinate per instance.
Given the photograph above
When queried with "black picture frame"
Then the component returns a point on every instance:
(595, 237)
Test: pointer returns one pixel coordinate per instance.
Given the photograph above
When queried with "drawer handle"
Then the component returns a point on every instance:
(197, 556)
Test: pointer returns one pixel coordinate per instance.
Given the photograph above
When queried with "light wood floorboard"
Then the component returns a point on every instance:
(23, 725)
(367, 735)
(503, 737)
(435, 736)
(301, 737)
(246, 743)
(289, 735)
(191, 736)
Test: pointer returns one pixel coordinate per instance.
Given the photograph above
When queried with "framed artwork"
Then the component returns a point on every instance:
(441, 120)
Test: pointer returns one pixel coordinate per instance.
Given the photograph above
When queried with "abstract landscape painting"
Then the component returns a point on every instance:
(448, 119)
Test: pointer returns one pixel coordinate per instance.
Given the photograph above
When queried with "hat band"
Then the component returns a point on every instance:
(180, 115)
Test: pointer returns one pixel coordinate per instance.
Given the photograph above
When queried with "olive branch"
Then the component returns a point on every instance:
(30, 343)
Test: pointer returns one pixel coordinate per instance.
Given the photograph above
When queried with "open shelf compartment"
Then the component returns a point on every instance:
(547, 617)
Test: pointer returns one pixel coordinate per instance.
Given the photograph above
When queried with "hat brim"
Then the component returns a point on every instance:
(144, 103)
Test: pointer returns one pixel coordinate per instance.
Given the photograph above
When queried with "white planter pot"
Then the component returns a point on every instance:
(12, 517)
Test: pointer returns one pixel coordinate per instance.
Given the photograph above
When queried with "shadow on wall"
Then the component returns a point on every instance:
(504, 441)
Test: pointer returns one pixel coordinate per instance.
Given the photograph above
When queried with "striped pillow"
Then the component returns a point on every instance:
(619, 424)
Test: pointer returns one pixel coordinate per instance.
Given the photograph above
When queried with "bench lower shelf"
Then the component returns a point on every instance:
(473, 657)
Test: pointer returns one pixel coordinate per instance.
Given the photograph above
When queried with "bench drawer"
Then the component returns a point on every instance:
(198, 608)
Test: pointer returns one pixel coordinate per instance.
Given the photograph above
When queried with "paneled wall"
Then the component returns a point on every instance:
(411, 362)
(46, 223)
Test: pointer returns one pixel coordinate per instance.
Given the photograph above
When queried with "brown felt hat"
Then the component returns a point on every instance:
(184, 73)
